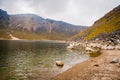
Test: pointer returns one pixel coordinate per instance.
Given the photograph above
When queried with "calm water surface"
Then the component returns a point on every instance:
(35, 60)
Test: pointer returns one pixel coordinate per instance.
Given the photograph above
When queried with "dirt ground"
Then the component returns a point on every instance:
(98, 68)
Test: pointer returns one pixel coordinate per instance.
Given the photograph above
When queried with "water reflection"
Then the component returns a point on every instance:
(35, 59)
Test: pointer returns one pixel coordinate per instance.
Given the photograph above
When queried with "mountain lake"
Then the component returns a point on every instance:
(35, 60)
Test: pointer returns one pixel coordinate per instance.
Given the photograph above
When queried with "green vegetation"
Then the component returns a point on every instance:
(95, 54)
(109, 23)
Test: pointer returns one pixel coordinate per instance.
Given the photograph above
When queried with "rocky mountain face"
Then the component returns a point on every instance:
(30, 26)
(4, 19)
(113, 37)
(31, 22)
(106, 28)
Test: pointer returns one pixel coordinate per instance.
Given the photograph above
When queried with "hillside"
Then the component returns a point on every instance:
(110, 23)
(34, 27)
(4, 19)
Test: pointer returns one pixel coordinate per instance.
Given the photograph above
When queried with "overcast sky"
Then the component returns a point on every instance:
(78, 12)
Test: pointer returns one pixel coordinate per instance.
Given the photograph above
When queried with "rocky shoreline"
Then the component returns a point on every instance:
(94, 44)
(104, 67)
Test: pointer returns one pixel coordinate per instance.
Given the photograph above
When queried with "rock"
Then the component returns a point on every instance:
(88, 49)
(114, 60)
(96, 65)
(117, 47)
(60, 63)
(108, 47)
(70, 47)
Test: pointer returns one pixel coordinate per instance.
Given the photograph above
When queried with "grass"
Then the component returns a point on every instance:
(108, 23)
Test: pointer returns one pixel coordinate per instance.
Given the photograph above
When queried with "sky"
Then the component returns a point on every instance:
(77, 12)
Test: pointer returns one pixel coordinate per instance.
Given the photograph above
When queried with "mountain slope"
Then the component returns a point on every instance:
(4, 23)
(30, 26)
(4, 19)
(36, 23)
(105, 25)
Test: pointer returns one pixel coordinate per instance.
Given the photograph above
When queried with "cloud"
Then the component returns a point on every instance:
(51, 6)
(80, 12)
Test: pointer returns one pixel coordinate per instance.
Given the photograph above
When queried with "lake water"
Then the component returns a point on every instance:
(35, 60)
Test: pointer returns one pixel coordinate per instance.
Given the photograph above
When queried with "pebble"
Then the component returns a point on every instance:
(96, 65)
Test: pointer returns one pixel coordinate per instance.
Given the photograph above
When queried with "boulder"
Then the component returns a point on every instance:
(60, 63)
(114, 60)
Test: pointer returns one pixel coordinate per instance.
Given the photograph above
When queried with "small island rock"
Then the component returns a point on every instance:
(60, 63)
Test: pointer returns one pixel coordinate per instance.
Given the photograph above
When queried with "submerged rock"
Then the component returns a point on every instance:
(60, 63)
